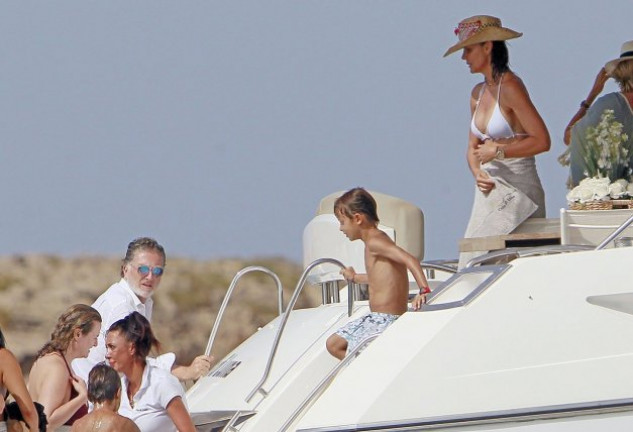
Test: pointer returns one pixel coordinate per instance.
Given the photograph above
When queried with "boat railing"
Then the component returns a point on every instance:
(229, 293)
(615, 233)
(318, 390)
(284, 319)
(512, 253)
(282, 324)
(448, 266)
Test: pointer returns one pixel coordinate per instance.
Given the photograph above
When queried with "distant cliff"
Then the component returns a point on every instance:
(36, 289)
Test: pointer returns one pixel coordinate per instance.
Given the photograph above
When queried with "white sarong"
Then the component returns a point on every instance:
(517, 195)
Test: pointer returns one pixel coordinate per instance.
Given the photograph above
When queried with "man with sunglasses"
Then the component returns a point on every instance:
(141, 272)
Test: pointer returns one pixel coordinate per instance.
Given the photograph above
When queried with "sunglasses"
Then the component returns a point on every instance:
(144, 270)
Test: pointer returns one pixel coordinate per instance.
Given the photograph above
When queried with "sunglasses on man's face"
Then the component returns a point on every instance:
(144, 270)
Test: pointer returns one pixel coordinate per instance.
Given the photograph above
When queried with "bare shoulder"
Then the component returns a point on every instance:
(6, 356)
(80, 425)
(378, 242)
(474, 93)
(124, 424)
(50, 361)
(513, 85)
(378, 236)
(47, 368)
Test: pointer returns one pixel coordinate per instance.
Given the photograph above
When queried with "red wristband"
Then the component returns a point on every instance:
(425, 290)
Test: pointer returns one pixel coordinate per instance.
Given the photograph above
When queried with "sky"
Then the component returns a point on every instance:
(218, 126)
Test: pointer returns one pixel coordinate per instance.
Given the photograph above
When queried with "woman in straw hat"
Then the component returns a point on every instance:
(589, 113)
(506, 132)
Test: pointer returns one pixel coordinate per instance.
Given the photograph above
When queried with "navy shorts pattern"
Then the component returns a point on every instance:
(373, 323)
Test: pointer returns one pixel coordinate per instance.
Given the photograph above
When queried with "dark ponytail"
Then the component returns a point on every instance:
(500, 59)
(136, 329)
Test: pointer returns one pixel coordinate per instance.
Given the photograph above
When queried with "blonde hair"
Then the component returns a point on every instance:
(78, 316)
(623, 74)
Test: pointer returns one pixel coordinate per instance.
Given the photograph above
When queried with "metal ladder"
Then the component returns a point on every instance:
(236, 278)
(229, 427)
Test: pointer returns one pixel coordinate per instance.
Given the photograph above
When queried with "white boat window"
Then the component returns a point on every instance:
(461, 288)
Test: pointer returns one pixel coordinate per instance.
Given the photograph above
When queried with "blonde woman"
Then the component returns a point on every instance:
(51, 380)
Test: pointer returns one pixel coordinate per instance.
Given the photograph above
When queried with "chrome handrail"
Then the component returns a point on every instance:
(228, 427)
(525, 252)
(448, 266)
(325, 382)
(615, 233)
(238, 275)
(284, 320)
(439, 265)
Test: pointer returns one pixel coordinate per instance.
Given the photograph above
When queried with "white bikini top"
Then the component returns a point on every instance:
(498, 127)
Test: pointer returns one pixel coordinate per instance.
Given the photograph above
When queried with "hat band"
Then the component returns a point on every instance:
(626, 54)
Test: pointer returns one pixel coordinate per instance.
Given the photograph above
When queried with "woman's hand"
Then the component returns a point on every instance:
(80, 387)
(484, 182)
(486, 151)
(596, 89)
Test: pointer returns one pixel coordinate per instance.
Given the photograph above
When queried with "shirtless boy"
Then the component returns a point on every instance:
(386, 265)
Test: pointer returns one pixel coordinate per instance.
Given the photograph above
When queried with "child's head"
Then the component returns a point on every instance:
(356, 200)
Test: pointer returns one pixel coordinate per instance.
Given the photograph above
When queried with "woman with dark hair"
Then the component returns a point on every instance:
(151, 396)
(589, 113)
(104, 391)
(506, 132)
(51, 380)
(12, 383)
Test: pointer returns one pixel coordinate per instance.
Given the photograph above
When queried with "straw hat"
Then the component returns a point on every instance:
(480, 28)
(626, 53)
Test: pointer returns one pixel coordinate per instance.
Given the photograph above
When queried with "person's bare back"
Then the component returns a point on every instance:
(104, 420)
(388, 280)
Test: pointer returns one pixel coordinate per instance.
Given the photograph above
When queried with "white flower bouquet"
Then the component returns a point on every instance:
(600, 194)
(606, 158)
(607, 151)
(598, 189)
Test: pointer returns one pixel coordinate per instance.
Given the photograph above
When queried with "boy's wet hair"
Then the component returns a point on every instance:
(357, 200)
(103, 384)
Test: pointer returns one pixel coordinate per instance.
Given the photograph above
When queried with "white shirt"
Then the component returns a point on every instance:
(114, 304)
(158, 388)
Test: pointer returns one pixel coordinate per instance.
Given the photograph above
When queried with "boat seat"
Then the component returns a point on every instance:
(403, 222)
(591, 227)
